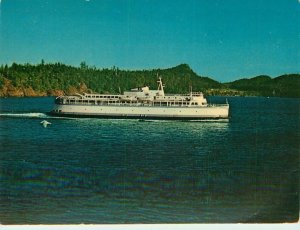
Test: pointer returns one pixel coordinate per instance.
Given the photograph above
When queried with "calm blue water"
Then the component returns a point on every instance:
(127, 171)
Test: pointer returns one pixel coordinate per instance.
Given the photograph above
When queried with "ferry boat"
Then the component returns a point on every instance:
(140, 103)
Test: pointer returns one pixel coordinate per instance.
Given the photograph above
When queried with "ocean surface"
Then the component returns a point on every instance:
(105, 171)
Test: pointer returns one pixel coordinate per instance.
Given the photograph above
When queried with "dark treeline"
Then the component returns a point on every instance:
(284, 86)
(57, 79)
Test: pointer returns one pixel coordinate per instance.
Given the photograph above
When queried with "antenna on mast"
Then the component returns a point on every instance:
(191, 90)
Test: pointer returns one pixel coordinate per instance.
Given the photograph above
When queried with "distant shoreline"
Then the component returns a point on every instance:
(26, 80)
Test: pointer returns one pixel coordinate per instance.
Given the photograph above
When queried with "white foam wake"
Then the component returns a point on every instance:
(225, 120)
(24, 115)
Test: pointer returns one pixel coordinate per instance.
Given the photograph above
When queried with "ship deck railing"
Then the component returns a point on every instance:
(146, 104)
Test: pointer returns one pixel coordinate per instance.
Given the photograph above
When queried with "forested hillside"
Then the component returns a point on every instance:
(283, 86)
(54, 79)
(60, 79)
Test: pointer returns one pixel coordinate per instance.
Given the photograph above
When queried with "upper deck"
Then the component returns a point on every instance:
(137, 97)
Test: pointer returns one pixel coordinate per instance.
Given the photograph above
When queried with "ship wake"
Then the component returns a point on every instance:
(219, 120)
(29, 115)
(24, 115)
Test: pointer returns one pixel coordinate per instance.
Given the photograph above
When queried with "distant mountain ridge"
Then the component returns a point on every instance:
(59, 79)
(287, 85)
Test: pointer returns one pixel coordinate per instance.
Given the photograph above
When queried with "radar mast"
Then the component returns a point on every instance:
(161, 87)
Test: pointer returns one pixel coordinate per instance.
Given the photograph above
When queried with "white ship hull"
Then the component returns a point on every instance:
(144, 112)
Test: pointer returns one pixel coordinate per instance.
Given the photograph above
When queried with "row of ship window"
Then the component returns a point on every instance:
(116, 96)
(133, 102)
(107, 96)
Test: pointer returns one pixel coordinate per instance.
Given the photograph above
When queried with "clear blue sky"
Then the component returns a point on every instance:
(222, 39)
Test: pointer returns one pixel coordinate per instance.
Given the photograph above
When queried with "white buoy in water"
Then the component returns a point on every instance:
(45, 123)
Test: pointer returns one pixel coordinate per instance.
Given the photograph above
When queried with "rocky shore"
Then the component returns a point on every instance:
(9, 90)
